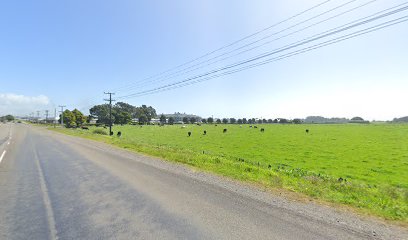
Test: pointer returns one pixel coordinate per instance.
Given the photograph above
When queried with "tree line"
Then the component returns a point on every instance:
(211, 120)
(122, 113)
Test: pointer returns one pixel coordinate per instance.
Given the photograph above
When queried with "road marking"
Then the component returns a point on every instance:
(46, 199)
(2, 156)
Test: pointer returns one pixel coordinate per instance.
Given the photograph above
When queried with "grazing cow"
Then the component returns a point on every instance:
(189, 134)
(85, 127)
(225, 130)
(216, 125)
(183, 126)
(255, 127)
(105, 127)
(262, 129)
(250, 126)
(307, 130)
(205, 132)
(119, 134)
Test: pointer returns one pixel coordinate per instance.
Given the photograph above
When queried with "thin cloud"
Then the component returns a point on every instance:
(15, 104)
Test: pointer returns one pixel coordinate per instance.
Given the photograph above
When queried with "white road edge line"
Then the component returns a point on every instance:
(2, 155)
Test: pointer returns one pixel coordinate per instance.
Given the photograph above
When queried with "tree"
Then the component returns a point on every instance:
(225, 120)
(259, 121)
(163, 119)
(80, 118)
(233, 120)
(9, 118)
(357, 119)
(264, 121)
(102, 112)
(270, 120)
(239, 121)
(218, 121)
(69, 119)
(244, 121)
(193, 120)
(275, 120)
(250, 121)
(171, 120)
(185, 120)
(297, 121)
(123, 117)
(210, 120)
(204, 120)
(143, 119)
(283, 120)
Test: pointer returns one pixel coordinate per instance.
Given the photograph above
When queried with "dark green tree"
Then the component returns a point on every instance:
(171, 120)
(185, 120)
(143, 119)
(225, 120)
(233, 120)
(9, 118)
(204, 120)
(239, 121)
(193, 120)
(283, 120)
(210, 120)
(163, 119)
(102, 113)
(244, 121)
(218, 121)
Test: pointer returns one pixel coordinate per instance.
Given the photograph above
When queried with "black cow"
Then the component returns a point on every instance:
(189, 134)
(225, 130)
(262, 129)
(119, 134)
(85, 127)
(205, 132)
(307, 130)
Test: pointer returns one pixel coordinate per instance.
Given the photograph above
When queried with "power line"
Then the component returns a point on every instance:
(237, 41)
(271, 53)
(183, 72)
(169, 76)
(307, 49)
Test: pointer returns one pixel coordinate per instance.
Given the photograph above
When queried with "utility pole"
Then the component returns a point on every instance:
(38, 117)
(110, 110)
(62, 115)
(55, 116)
(46, 116)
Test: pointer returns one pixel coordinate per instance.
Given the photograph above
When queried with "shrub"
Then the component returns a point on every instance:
(99, 131)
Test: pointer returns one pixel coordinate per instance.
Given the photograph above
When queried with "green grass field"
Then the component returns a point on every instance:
(372, 159)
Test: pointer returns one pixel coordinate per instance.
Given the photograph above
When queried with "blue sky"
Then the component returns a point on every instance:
(69, 52)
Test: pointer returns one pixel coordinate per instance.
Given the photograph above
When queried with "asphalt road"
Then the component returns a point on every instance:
(54, 186)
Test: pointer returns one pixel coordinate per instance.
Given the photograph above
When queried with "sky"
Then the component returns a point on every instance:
(70, 52)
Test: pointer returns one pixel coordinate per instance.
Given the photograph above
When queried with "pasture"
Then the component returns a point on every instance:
(364, 166)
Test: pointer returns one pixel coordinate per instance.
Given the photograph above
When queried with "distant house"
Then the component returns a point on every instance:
(93, 121)
(155, 120)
